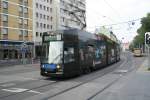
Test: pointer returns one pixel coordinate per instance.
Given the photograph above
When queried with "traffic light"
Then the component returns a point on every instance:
(147, 38)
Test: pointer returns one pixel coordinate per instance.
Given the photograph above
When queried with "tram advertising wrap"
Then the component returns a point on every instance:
(72, 52)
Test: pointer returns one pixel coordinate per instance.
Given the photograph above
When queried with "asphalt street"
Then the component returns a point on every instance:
(24, 82)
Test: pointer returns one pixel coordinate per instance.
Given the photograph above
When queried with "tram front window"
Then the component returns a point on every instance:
(52, 52)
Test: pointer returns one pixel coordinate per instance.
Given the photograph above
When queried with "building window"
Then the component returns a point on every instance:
(37, 34)
(51, 1)
(51, 10)
(44, 26)
(20, 32)
(44, 7)
(26, 22)
(40, 15)
(41, 25)
(47, 1)
(40, 34)
(5, 5)
(20, 9)
(47, 26)
(37, 5)
(47, 17)
(25, 33)
(63, 19)
(25, 10)
(44, 16)
(37, 15)
(5, 18)
(26, 2)
(37, 24)
(5, 31)
(51, 18)
(47, 8)
(20, 21)
(51, 27)
(40, 6)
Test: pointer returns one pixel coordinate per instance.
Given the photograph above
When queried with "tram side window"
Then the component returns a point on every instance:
(69, 54)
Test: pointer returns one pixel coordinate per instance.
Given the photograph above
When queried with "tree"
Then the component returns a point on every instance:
(139, 39)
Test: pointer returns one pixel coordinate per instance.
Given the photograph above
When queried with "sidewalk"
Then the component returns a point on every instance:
(15, 62)
(134, 86)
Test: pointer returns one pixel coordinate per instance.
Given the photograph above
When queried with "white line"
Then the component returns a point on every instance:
(18, 90)
(35, 92)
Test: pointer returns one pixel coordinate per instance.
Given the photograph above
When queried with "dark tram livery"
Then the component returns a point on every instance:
(72, 52)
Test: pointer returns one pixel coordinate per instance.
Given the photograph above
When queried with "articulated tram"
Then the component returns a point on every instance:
(71, 52)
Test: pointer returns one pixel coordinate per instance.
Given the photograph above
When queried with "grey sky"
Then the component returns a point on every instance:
(104, 12)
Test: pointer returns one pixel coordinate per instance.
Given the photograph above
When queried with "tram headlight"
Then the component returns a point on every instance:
(42, 66)
(58, 66)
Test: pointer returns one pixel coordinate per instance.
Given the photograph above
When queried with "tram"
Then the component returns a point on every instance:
(71, 52)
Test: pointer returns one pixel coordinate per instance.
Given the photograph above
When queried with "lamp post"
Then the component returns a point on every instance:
(23, 44)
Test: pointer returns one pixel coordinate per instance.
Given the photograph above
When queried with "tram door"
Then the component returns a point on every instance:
(70, 58)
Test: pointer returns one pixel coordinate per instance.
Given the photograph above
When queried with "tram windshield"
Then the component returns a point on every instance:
(52, 52)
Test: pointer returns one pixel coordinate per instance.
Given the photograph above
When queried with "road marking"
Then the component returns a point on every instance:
(36, 92)
(122, 71)
(18, 90)
(8, 84)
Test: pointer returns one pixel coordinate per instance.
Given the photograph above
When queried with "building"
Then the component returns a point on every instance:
(125, 46)
(51, 15)
(43, 16)
(71, 14)
(15, 28)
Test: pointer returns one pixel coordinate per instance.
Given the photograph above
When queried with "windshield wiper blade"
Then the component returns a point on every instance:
(57, 57)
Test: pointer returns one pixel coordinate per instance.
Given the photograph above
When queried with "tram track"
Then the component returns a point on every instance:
(87, 81)
(116, 80)
(103, 73)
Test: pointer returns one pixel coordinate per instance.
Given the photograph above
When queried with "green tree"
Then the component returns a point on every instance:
(145, 27)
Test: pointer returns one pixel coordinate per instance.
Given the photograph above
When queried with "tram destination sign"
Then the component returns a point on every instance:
(47, 38)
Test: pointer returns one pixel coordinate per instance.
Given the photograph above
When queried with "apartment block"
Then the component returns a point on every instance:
(15, 28)
(43, 15)
(71, 14)
(51, 15)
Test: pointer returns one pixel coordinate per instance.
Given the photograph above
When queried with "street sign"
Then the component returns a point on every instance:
(147, 38)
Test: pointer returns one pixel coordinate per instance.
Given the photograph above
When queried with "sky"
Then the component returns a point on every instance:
(107, 12)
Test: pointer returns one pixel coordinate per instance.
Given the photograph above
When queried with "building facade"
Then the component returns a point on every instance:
(71, 14)
(43, 21)
(15, 28)
(51, 15)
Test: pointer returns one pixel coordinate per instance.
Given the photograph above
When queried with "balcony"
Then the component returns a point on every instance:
(5, 36)
(21, 2)
(5, 11)
(25, 3)
(25, 26)
(21, 37)
(20, 25)
(5, 23)
(26, 15)
(21, 14)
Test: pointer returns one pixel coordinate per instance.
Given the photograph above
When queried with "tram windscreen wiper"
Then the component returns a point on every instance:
(55, 59)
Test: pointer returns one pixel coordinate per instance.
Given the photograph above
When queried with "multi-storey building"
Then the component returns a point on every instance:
(71, 14)
(15, 28)
(51, 15)
(43, 21)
